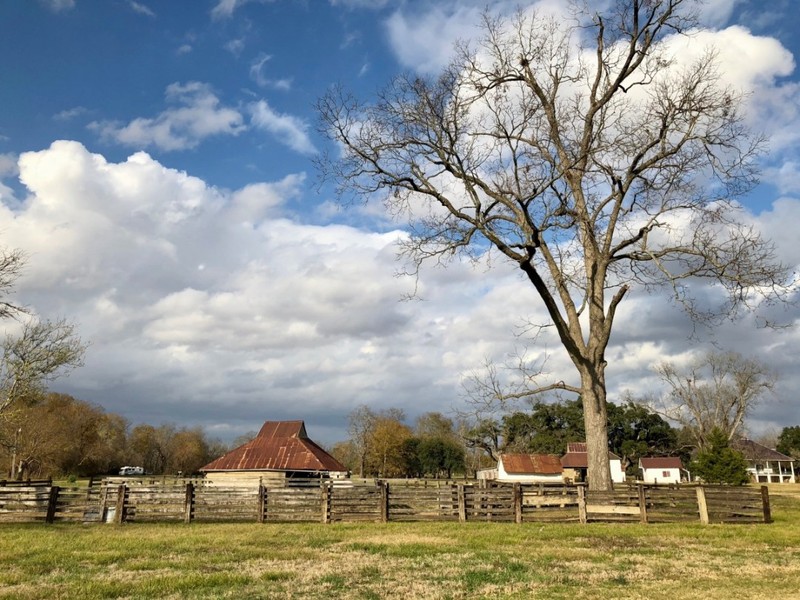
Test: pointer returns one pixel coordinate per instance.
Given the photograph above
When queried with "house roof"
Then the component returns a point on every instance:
(279, 446)
(529, 464)
(755, 451)
(660, 462)
(577, 458)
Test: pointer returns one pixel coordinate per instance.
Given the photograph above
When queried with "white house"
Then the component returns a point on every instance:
(661, 469)
(765, 465)
(576, 463)
(525, 468)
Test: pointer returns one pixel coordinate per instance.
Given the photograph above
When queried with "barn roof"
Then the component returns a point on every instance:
(279, 446)
(661, 462)
(755, 451)
(577, 458)
(528, 464)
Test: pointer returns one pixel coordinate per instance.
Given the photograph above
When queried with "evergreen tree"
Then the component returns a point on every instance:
(719, 463)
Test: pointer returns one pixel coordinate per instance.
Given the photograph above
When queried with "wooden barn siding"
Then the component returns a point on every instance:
(334, 502)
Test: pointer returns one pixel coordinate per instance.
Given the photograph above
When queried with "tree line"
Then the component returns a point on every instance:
(55, 435)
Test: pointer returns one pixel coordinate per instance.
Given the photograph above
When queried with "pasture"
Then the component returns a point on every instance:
(406, 560)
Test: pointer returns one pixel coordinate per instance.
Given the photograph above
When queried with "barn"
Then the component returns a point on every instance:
(281, 454)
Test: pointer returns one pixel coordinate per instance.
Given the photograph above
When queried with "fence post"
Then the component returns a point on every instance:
(384, 500)
(326, 503)
(517, 492)
(582, 503)
(765, 504)
(188, 503)
(119, 514)
(642, 503)
(52, 502)
(262, 502)
(461, 497)
(702, 506)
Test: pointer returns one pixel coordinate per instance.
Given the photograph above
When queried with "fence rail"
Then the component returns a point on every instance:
(382, 502)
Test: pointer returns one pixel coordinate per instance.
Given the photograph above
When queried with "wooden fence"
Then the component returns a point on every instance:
(382, 502)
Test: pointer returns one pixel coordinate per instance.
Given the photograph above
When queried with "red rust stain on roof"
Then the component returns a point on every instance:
(279, 446)
(525, 464)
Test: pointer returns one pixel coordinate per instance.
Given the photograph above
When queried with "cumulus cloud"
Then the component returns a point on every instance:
(223, 308)
(198, 115)
(287, 129)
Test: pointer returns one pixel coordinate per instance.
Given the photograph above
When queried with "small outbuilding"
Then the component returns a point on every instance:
(662, 469)
(529, 468)
(281, 454)
(576, 464)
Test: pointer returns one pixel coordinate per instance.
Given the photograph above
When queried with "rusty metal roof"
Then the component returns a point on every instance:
(661, 462)
(577, 458)
(527, 464)
(279, 446)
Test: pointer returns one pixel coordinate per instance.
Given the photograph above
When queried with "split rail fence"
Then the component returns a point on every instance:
(383, 502)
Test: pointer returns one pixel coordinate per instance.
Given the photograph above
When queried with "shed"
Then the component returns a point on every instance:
(576, 463)
(281, 454)
(764, 464)
(661, 469)
(529, 468)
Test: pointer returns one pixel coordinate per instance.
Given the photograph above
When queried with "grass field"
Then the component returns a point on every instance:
(405, 560)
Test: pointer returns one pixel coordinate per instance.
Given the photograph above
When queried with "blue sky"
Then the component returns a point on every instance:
(156, 164)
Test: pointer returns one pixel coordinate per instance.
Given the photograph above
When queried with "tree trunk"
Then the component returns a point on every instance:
(596, 422)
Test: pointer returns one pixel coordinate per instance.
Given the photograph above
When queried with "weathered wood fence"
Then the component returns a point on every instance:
(383, 502)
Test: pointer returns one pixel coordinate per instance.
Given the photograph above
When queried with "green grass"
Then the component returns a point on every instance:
(405, 560)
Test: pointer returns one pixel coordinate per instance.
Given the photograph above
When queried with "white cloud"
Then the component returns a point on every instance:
(71, 113)
(141, 9)
(184, 49)
(58, 5)
(235, 47)
(212, 307)
(287, 129)
(198, 115)
(224, 9)
(257, 75)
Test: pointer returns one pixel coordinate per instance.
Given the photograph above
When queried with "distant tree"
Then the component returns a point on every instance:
(410, 457)
(717, 462)
(11, 264)
(243, 439)
(347, 454)
(634, 432)
(187, 451)
(440, 457)
(149, 447)
(60, 435)
(43, 351)
(361, 422)
(385, 445)
(716, 391)
(789, 441)
(435, 425)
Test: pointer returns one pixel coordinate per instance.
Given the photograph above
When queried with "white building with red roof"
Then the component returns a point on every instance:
(662, 469)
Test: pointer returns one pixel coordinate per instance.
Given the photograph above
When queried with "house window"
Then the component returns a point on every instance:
(665, 473)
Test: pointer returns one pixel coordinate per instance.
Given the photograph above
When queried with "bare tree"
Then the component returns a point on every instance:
(717, 391)
(43, 351)
(585, 153)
